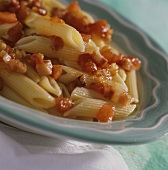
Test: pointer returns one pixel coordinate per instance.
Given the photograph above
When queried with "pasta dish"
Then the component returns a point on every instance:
(59, 60)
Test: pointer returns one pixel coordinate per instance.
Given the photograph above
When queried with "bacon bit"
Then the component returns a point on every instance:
(57, 43)
(15, 33)
(56, 71)
(87, 64)
(1, 84)
(124, 99)
(105, 113)
(6, 17)
(44, 68)
(39, 10)
(103, 89)
(78, 21)
(110, 55)
(129, 63)
(56, 20)
(22, 12)
(10, 51)
(102, 29)
(126, 64)
(58, 12)
(98, 87)
(99, 60)
(22, 7)
(17, 66)
(135, 61)
(74, 7)
(86, 37)
(108, 91)
(35, 59)
(63, 104)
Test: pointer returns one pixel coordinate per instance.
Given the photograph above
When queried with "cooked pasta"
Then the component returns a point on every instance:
(56, 58)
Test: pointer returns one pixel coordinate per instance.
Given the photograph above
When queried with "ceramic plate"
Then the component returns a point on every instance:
(148, 123)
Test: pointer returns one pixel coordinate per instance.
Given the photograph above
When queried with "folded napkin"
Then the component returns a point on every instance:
(22, 150)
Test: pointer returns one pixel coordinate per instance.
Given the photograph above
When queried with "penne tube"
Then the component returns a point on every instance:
(69, 35)
(89, 108)
(98, 41)
(26, 88)
(15, 97)
(12, 95)
(64, 90)
(32, 74)
(81, 92)
(122, 74)
(40, 44)
(50, 85)
(117, 78)
(70, 75)
(131, 82)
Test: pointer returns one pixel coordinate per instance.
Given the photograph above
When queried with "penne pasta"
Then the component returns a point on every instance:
(50, 85)
(81, 92)
(32, 74)
(132, 85)
(27, 88)
(61, 61)
(14, 96)
(64, 90)
(40, 44)
(89, 108)
(70, 74)
(70, 37)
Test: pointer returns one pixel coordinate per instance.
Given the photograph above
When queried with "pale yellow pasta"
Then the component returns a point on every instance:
(81, 92)
(122, 74)
(26, 88)
(123, 112)
(131, 82)
(90, 107)
(98, 41)
(50, 85)
(64, 90)
(69, 35)
(119, 80)
(32, 73)
(40, 44)
(90, 47)
(69, 75)
(14, 96)
(70, 63)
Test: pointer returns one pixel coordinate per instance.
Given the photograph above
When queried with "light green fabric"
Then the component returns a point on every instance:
(152, 156)
(151, 17)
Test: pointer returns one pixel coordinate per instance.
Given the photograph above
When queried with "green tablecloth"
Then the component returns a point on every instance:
(151, 17)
